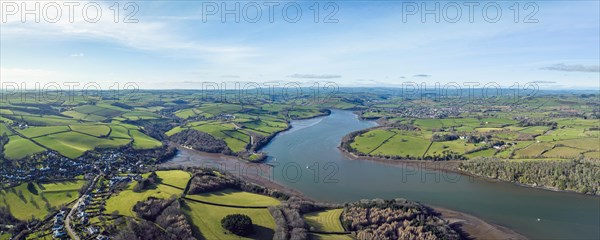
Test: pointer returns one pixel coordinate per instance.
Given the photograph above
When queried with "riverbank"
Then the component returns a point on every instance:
(253, 172)
(476, 228)
(262, 174)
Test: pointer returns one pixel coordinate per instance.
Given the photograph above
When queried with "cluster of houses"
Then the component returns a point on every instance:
(116, 180)
(81, 213)
(58, 228)
(57, 167)
(84, 217)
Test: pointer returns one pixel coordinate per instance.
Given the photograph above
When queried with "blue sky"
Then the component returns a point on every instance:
(370, 45)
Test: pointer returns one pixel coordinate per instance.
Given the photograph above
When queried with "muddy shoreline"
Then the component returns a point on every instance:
(262, 174)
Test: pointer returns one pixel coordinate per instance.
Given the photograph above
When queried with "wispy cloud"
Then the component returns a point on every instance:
(147, 35)
(422, 75)
(315, 76)
(573, 68)
(77, 55)
(545, 82)
(230, 76)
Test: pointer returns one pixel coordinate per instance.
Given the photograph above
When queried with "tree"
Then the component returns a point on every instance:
(238, 224)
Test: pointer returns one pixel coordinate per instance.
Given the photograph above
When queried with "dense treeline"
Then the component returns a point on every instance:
(156, 128)
(147, 183)
(395, 219)
(3, 141)
(289, 223)
(207, 180)
(164, 220)
(151, 208)
(535, 122)
(9, 223)
(200, 141)
(574, 175)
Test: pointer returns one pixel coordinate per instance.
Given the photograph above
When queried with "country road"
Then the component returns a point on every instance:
(70, 230)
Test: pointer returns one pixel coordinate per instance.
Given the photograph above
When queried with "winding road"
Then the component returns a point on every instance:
(70, 230)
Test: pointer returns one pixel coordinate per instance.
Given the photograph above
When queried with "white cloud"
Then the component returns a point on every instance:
(144, 35)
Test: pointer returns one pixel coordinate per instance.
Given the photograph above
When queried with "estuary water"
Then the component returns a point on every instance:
(306, 158)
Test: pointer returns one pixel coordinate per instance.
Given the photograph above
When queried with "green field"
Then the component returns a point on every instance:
(18, 147)
(563, 152)
(126, 199)
(325, 221)
(177, 178)
(236, 198)
(411, 143)
(371, 140)
(48, 120)
(319, 236)
(32, 132)
(207, 220)
(94, 130)
(458, 146)
(5, 130)
(119, 132)
(56, 194)
(218, 130)
(74, 144)
(142, 141)
(533, 150)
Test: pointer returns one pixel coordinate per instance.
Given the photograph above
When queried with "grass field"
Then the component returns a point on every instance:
(32, 203)
(5, 130)
(371, 140)
(94, 130)
(325, 221)
(119, 132)
(319, 236)
(582, 143)
(562, 134)
(32, 132)
(47, 120)
(74, 144)
(207, 221)
(18, 147)
(236, 198)
(592, 155)
(218, 130)
(535, 130)
(563, 152)
(533, 150)
(126, 199)
(458, 146)
(483, 153)
(404, 143)
(142, 141)
(177, 178)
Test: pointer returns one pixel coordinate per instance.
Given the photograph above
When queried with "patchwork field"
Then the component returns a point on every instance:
(403, 144)
(27, 200)
(325, 221)
(177, 178)
(94, 130)
(32, 132)
(207, 219)
(143, 141)
(18, 147)
(236, 198)
(74, 144)
(124, 201)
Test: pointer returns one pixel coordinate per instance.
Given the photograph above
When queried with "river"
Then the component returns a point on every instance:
(306, 158)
